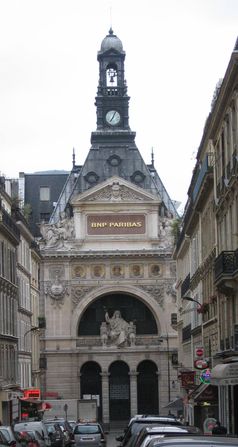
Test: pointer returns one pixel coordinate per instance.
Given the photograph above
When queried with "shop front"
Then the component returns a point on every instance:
(225, 377)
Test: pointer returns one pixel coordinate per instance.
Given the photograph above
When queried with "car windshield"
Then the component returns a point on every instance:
(84, 429)
(50, 428)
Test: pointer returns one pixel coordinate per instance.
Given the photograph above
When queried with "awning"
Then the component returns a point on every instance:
(176, 404)
(225, 374)
(205, 393)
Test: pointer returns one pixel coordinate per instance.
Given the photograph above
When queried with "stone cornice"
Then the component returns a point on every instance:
(104, 254)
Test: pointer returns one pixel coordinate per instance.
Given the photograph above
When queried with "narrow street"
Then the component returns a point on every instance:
(113, 433)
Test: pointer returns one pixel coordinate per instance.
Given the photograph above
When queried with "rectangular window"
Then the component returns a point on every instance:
(44, 193)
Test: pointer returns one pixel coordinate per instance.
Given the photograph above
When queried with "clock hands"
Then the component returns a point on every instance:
(112, 116)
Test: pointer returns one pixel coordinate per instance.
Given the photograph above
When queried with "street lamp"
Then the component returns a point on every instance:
(189, 298)
(162, 338)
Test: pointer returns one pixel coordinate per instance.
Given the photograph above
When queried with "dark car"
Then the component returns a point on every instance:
(90, 434)
(65, 428)
(195, 441)
(159, 431)
(137, 423)
(55, 433)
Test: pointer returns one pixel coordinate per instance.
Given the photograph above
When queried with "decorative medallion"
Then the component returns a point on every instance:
(137, 177)
(117, 271)
(155, 270)
(79, 271)
(56, 290)
(114, 160)
(136, 270)
(91, 177)
(98, 271)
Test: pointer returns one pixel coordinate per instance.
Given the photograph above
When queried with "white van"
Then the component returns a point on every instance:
(34, 425)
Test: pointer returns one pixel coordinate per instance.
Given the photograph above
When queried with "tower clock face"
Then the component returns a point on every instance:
(113, 117)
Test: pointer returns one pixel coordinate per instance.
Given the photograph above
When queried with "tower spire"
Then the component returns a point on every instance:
(152, 156)
(73, 158)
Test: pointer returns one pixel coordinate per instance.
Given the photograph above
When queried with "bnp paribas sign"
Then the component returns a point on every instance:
(115, 224)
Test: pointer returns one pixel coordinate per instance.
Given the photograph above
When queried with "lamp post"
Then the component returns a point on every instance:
(162, 338)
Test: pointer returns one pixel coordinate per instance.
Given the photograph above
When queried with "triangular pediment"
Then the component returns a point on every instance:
(114, 190)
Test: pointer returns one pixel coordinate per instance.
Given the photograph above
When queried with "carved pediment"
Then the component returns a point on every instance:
(115, 190)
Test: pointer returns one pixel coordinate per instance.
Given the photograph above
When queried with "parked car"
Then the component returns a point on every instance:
(34, 426)
(5, 443)
(159, 431)
(90, 433)
(9, 434)
(138, 422)
(65, 428)
(30, 438)
(55, 433)
(195, 441)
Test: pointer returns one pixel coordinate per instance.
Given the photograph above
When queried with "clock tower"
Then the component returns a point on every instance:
(113, 150)
(112, 100)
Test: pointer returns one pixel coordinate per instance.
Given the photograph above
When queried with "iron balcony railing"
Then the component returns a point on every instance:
(206, 168)
(226, 264)
(9, 224)
(185, 285)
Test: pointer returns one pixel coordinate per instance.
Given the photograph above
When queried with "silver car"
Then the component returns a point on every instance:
(89, 434)
(9, 435)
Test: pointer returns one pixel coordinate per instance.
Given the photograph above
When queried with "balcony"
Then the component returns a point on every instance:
(8, 225)
(226, 270)
(185, 285)
(204, 177)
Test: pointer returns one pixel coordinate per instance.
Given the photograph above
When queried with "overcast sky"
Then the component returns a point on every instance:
(176, 52)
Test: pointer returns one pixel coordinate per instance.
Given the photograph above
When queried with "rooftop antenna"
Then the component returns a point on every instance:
(152, 157)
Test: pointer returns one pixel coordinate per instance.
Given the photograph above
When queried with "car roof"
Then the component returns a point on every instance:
(197, 440)
(161, 427)
(88, 423)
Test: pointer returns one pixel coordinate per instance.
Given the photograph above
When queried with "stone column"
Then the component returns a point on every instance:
(133, 391)
(105, 397)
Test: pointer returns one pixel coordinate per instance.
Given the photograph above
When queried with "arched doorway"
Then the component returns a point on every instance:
(90, 383)
(147, 388)
(119, 391)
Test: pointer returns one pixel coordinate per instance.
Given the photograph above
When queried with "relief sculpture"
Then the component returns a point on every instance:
(57, 235)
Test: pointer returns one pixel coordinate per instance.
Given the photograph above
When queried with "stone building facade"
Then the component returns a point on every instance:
(107, 253)
(207, 264)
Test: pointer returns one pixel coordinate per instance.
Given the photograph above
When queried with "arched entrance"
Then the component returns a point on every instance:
(119, 391)
(90, 383)
(147, 388)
